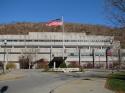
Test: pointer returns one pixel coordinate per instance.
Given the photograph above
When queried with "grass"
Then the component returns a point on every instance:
(116, 82)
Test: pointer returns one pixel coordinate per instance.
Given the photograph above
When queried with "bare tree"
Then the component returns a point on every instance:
(116, 11)
(28, 57)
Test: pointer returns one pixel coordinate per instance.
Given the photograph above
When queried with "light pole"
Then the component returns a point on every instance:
(4, 64)
(107, 57)
(119, 57)
(50, 53)
(108, 52)
(79, 57)
(99, 61)
(93, 56)
(111, 42)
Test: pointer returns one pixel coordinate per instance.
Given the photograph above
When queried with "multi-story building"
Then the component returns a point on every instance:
(47, 45)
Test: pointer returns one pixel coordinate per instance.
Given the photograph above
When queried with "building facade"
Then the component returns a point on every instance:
(47, 45)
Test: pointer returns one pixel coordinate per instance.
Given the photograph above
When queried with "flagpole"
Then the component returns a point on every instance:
(63, 35)
(51, 46)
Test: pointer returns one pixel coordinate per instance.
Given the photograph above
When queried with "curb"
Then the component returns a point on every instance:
(6, 78)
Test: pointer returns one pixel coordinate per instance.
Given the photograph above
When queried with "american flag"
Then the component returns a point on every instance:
(55, 23)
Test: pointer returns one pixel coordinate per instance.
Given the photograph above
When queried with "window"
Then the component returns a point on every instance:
(35, 40)
(9, 40)
(19, 46)
(28, 40)
(21, 40)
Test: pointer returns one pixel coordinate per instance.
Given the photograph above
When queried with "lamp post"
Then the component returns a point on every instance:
(111, 42)
(106, 58)
(4, 64)
(119, 57)
(107, 54)
(93, 57)
(50, 53)
(79, 56)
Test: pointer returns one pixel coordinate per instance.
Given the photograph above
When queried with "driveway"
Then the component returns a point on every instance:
(36, 81)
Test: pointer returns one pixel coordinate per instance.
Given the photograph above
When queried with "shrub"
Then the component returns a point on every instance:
(116, 65)
(116, 82)
(63, 65)
(81, 69)
(73, 64)
(89, 65)
(42, 64)
(46, 68)
(10, 66)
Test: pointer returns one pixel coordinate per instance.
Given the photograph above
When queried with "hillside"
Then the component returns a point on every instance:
(24, 28)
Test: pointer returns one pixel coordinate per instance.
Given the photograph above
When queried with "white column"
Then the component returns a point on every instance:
(89, 48)
(54, 65)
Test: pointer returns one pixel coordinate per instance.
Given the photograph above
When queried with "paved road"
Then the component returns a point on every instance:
(41, 82)
(35, 81)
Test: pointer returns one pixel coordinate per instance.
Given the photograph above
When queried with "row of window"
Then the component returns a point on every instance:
(96, 54)
(87, 54)
(25, 53)
(55, 40)
(71, 54)
(36, 46)
(54, 46)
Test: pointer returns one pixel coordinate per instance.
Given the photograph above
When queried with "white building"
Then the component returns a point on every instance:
(50, 44)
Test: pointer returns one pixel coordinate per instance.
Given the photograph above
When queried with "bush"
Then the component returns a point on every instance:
(46, 68)
(63, 65)
(116, 65)
(42, 64)
(116, 82)
(10, 66)
(73, 64)
(89, 65)
(81, 69)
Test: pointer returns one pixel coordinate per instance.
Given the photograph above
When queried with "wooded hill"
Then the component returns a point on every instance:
(24, 28)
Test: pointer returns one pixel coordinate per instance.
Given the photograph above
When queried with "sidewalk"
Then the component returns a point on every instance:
(11, 76)
(94, 85)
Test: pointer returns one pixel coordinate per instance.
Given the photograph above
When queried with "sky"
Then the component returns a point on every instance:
(76, 11)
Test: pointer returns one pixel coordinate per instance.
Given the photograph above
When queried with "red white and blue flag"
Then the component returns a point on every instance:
(55, 23)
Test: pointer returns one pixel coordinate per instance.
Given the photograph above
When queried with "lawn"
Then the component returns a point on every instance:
(116, 82)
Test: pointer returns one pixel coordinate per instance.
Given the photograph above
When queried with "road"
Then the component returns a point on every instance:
(42, 82)
(35, 81)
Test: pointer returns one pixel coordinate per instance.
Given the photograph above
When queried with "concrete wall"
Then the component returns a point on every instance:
(40, 44)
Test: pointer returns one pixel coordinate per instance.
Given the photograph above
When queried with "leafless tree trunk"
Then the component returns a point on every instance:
(28, 57)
